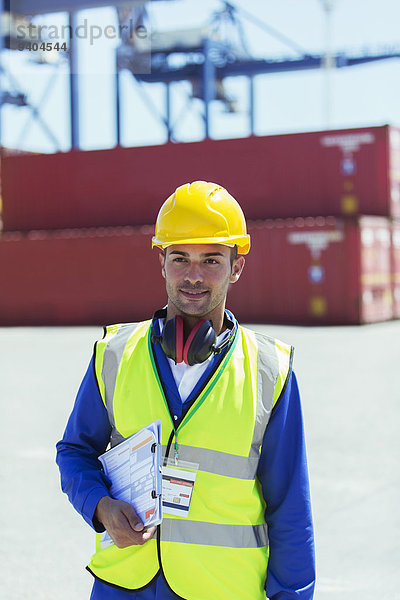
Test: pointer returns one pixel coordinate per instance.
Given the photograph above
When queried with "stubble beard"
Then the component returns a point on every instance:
(191, 310)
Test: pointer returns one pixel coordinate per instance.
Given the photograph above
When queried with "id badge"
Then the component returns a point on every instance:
(178, 479)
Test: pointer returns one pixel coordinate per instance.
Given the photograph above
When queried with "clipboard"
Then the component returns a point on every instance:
(134, 469)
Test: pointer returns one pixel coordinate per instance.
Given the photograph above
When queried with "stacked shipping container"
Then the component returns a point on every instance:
(90, 276)
(314, 268)
(396, 268)
(340, 173)
(319, 270)
(78, 277)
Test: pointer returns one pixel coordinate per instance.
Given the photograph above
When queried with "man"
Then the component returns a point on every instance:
(228, 400)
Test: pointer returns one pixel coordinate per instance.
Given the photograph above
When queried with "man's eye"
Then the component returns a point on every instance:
(211, 261)
(179, 259)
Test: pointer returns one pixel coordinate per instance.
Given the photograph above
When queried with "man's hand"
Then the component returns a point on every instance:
(122, 523)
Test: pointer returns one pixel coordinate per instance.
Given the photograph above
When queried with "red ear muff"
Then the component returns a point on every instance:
(179, 339)
(191, 337)
(172, 339)
(200, 343)
(167, 339)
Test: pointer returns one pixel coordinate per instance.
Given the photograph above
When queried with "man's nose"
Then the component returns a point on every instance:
(193, 274)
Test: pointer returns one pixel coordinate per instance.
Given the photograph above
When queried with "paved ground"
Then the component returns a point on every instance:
(349, 378)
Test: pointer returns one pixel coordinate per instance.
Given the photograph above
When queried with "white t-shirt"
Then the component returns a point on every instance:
(187, 376)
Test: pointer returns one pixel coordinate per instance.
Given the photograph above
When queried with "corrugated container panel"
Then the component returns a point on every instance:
(396, 268)
(376, 269)
(317, 271)
(343, 172)
(3, 153)
(311, 271)
(79, 277)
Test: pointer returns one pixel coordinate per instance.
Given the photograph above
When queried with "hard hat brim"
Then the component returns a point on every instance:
(242, 242)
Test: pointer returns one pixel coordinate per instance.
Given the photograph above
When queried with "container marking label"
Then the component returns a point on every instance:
(316, 273)
(348, 143)
(348, 165)
(315, 240)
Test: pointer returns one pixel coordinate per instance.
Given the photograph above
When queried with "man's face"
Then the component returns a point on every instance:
(197, 277)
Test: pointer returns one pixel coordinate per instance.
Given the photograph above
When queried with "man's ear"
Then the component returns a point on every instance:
(161, 256)
(237, 268)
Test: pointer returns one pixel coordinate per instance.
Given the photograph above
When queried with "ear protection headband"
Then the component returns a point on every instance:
(200, 344)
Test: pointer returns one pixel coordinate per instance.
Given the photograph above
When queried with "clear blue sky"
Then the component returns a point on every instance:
(360, 96)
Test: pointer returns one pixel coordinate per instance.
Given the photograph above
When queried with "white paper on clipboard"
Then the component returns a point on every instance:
(134, 469)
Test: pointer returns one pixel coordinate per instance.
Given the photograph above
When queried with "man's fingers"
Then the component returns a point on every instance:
(122, 523)
(128, 537)
(133, 518)
(148, 533)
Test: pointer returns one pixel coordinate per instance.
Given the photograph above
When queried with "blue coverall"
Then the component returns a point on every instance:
(282, 472)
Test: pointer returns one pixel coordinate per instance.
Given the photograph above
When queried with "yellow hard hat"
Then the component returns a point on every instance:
(201, 213)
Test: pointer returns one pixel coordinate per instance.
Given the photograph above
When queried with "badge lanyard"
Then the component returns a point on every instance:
(179, 476)
(195, 407)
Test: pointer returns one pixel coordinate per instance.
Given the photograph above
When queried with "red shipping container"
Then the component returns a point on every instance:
(79, 277)
(9, 152)
(342, 173)
(396, 268)
(315, 271)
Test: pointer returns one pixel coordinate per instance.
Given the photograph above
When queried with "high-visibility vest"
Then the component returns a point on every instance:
(221, 550)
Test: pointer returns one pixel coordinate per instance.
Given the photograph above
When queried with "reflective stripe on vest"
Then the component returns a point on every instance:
(221, 550)
(219, 463)
(110, 371)
(214, 534)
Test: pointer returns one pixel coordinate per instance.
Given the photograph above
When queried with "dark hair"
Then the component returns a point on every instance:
(234, 253)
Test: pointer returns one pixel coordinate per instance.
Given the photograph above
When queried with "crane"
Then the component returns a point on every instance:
(205, 56)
